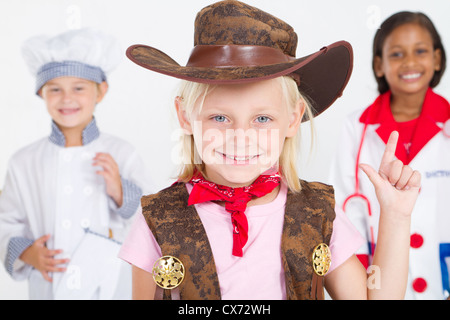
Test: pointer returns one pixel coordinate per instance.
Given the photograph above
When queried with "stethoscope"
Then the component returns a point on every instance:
(357, 194)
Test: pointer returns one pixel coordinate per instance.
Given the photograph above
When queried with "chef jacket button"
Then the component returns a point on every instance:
(68, 189)
(87, 190)
(67, 157)
(86, 156)
(85, 223)
(416, 241)
(419, 285)
(66, 224)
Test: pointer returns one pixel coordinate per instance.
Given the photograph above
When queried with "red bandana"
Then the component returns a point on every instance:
(435, 109)
(236, 200)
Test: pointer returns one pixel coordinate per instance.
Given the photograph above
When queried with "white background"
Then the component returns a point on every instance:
(139, 105)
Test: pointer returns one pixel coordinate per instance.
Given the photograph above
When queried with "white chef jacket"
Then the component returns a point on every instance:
(50, 189)
(430, 225)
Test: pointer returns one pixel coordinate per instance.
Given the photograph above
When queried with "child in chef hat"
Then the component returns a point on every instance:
(68, 198)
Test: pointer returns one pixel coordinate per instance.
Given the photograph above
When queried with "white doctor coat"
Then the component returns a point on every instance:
(54, 190)
(430, 226)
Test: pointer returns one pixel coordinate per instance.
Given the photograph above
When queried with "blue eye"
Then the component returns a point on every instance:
(263, 119)
(220, 118)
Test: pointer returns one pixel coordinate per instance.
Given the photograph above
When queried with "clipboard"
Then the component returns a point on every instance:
(444, 256)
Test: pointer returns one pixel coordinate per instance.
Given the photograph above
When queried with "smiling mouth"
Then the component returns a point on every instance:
(411, 76)
(68, 111)
(239, 159)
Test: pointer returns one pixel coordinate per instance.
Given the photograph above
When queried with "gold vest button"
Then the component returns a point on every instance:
(168, 272)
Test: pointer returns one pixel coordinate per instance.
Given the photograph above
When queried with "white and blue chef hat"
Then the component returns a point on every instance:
(83, 53)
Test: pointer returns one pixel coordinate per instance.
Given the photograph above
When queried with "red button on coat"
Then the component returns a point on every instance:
(419, 285)
(416, 241)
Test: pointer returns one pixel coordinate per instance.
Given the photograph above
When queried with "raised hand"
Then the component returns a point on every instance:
(396, 185)
(111, 175)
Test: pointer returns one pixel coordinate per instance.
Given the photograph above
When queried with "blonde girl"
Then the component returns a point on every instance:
(240, 224)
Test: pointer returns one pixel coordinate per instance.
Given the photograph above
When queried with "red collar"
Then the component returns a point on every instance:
(435, 109)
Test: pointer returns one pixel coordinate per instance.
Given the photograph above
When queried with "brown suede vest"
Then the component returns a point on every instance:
(308, 221)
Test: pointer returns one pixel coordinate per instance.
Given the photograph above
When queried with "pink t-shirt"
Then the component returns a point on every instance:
(259, 274)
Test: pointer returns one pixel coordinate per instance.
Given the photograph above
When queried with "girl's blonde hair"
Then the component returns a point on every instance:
(190, 93)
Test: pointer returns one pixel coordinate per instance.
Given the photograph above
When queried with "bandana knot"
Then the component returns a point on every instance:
(236, 200)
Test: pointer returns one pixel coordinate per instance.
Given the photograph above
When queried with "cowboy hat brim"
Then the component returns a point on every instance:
(323, 74)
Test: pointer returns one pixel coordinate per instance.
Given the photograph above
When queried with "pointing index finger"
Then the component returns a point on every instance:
(388, 155)
(389, 152)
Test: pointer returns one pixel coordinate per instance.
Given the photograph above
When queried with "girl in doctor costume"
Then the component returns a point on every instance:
(239, 224)
(68, 198)
(408, 62)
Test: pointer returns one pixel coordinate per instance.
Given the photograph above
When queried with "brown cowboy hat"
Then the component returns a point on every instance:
(236, 43)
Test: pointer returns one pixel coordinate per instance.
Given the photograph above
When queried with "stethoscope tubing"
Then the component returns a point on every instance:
(357, 194)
